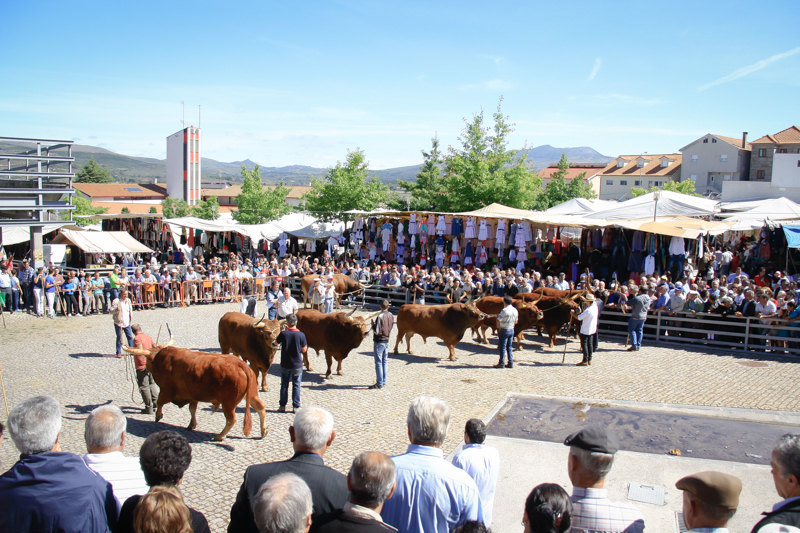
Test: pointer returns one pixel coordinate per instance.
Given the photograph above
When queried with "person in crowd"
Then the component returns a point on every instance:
(273, 294)
(165, 287)
(381, 329)
(16, 291)
(39, 291)
(293, 347)
(506, 320)
(115, 283)
(47, 489)
(162, 510)
(68, 291)
(431, 494)
(481, 462)
(456, 294)
(548, 509)
(287, 305)
(785, 515)
(588, 318)
(144, 379)
(249, 304)
(191, 289)
(50, 294)
(330, 295)
(316, 294)
(766, 310)
(164, 457)
(122, 314)
(710, 500)
(283, 504)
(97, 294)
(371, 481)
(591, 455)
(104, 433)
(638, 305)
(26, 276)
(311, 433)
(149, 287)
(418, 290)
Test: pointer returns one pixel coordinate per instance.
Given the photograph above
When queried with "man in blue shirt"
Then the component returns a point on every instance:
(293, 346)
(481, 462)
(431, 494)
(50, 294)
(47, 490)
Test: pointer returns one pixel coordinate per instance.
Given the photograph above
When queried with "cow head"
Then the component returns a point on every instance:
(473, 313)
(532, 308)
(352, 287)
(152, 352)
(268, 330)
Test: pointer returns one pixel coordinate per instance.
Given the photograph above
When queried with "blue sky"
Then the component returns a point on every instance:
(301, 83)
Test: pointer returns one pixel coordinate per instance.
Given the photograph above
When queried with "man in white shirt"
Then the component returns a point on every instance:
(105, 439)
(765, 311)
(588, 320)
(562, 283)
(191, 276)
(330, 294)
(481, 462)
(287, 305)
(506, 320)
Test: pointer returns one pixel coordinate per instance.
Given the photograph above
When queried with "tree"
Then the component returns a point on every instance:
(258, 205)
(92, 172)
(153, 209)
(207, 209)
(344, 187)
(428, 189)
(483, 170)
(125, 210)
(83, 206)
(174, 207)
(558, 190)
(683, 187)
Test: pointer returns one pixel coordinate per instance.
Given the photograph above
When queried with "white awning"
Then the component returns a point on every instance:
(16, 234)
(100, 242)
(669, 203)
(319, 230)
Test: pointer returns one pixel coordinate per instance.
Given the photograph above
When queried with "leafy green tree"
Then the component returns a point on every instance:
(174, 207)
(683, 187)
(207, 209)
(153, 209)
(558, 190)
(257, 204)
(92, 172)
(344, 187)
(83, 206)
(125, 210)
(483, 170)
(428, 189)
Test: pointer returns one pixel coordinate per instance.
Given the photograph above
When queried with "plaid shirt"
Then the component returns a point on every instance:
(26, 275)
(593, 512)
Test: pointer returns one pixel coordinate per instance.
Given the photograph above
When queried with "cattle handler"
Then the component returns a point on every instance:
(316, 294)
(381, 329)
(293, 346)
(588, 320)
(147, 385)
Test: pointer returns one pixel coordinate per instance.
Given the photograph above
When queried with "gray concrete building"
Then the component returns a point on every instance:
(713, 159)
(761, 160)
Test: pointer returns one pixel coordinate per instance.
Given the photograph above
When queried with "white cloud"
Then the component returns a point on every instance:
(596, 68)
(744, 71)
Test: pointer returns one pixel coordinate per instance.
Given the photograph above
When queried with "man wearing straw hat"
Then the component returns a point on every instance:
(588, 320)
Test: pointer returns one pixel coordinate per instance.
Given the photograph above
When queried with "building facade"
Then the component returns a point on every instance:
(592, 171)
(643, 171)
(184, 165)
(761, 160)
(712, 160)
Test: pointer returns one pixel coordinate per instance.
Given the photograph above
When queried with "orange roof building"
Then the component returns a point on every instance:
(764, 149)
(644, 171)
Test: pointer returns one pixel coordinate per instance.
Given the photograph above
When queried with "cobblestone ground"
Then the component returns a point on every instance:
(72, 359)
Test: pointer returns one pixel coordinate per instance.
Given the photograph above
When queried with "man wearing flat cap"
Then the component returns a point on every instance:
(710, 499)
(591, 454)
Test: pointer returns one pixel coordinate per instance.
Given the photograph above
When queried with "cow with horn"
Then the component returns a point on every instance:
(187, 377)
(556, 310)
(446, 322)
(343, 285)
(255, 342)
(337, 334)
(529, 316)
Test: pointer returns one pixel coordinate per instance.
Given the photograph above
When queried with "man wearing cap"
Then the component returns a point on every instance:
(785, 515)
(588, 320)
(330, 294)
(710, 499)
(316, 294)
(591, 454)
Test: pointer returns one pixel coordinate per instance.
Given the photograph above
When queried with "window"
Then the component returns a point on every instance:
(723, 158)
(609, 182)
(640, 163)
(664, 163)
(713, 141)
(712, 178)
(693, 177)
(694, 159)
(762, 152)
(760, 174)
(623, 182)
(726, 177)
(620, 163)
(637, 183)
(657, 184)
(705, 141)
(798, 162)
(782, 151)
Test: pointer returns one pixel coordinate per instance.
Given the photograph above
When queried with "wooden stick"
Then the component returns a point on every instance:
(4, 390)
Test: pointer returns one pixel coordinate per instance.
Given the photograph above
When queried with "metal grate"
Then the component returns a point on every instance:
(646, 494)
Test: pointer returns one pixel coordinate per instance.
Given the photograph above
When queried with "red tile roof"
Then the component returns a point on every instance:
(572, 172)
(652, 166)
(120, 190)
(116, 207)
(734, 141)
(236, 190)
(788, 136)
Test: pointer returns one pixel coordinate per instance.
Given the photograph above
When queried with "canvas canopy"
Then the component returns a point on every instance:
(767, 210)
(669, 203)
(100, 242)
(318, 230)
(16, 234)
(269, 231)
(792, 236)
(580, 206)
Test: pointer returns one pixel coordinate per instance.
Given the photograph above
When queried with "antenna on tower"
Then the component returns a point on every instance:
(199, 115)
(183, 115)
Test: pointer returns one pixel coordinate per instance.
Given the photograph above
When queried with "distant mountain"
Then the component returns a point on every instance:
(145, 169)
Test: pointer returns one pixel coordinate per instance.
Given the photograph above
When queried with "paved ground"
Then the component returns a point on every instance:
(72, 360)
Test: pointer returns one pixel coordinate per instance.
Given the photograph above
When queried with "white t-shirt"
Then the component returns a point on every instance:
(589, 320)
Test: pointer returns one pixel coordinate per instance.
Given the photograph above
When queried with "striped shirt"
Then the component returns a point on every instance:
(593, 512)
(124, 473)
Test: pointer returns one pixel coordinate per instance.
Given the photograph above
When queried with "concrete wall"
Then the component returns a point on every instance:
(733, 191)
(709, 164)
(175, 154)
(786, 170)
(618, 191)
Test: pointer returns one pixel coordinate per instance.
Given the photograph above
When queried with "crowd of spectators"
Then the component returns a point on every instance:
(418, 491)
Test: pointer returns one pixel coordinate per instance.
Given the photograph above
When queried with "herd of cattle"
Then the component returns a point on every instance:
(248, 348)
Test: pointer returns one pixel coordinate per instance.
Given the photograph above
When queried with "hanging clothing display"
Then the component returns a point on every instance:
(469, 232)
(412, 224)
(482, 233)
(456, 228)
(441, 226)
(500, 236)
(519, 241)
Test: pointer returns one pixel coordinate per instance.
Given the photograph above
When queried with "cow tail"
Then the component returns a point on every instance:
(248, 418)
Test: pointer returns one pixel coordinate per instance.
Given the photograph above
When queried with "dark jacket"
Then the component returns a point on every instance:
(56, 491)
(199, 522)
(328, 488)
(341, 522)
(788, 515)
(747, 308)
(383, 327)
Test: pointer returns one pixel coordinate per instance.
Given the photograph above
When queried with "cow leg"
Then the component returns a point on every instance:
(452, 349)
(163, 398)
(484, 338)
(264, 386)
(261, 409)
(230, 420)
(397, 342)
(193, 411)
(552, 332)
(214, 407)
(339, 368)
(307, 362)
(408, 342)
(518, 338)
(329, 360)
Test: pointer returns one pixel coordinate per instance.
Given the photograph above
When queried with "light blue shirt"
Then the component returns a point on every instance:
(431, 494)
(482, 463)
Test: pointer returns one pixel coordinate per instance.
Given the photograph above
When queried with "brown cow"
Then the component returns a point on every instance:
(550, 291)
(190, 377)
(529, 316)
(252, 341)
(557, 311)
(344, 285)
(446, 322)
(337, 334)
